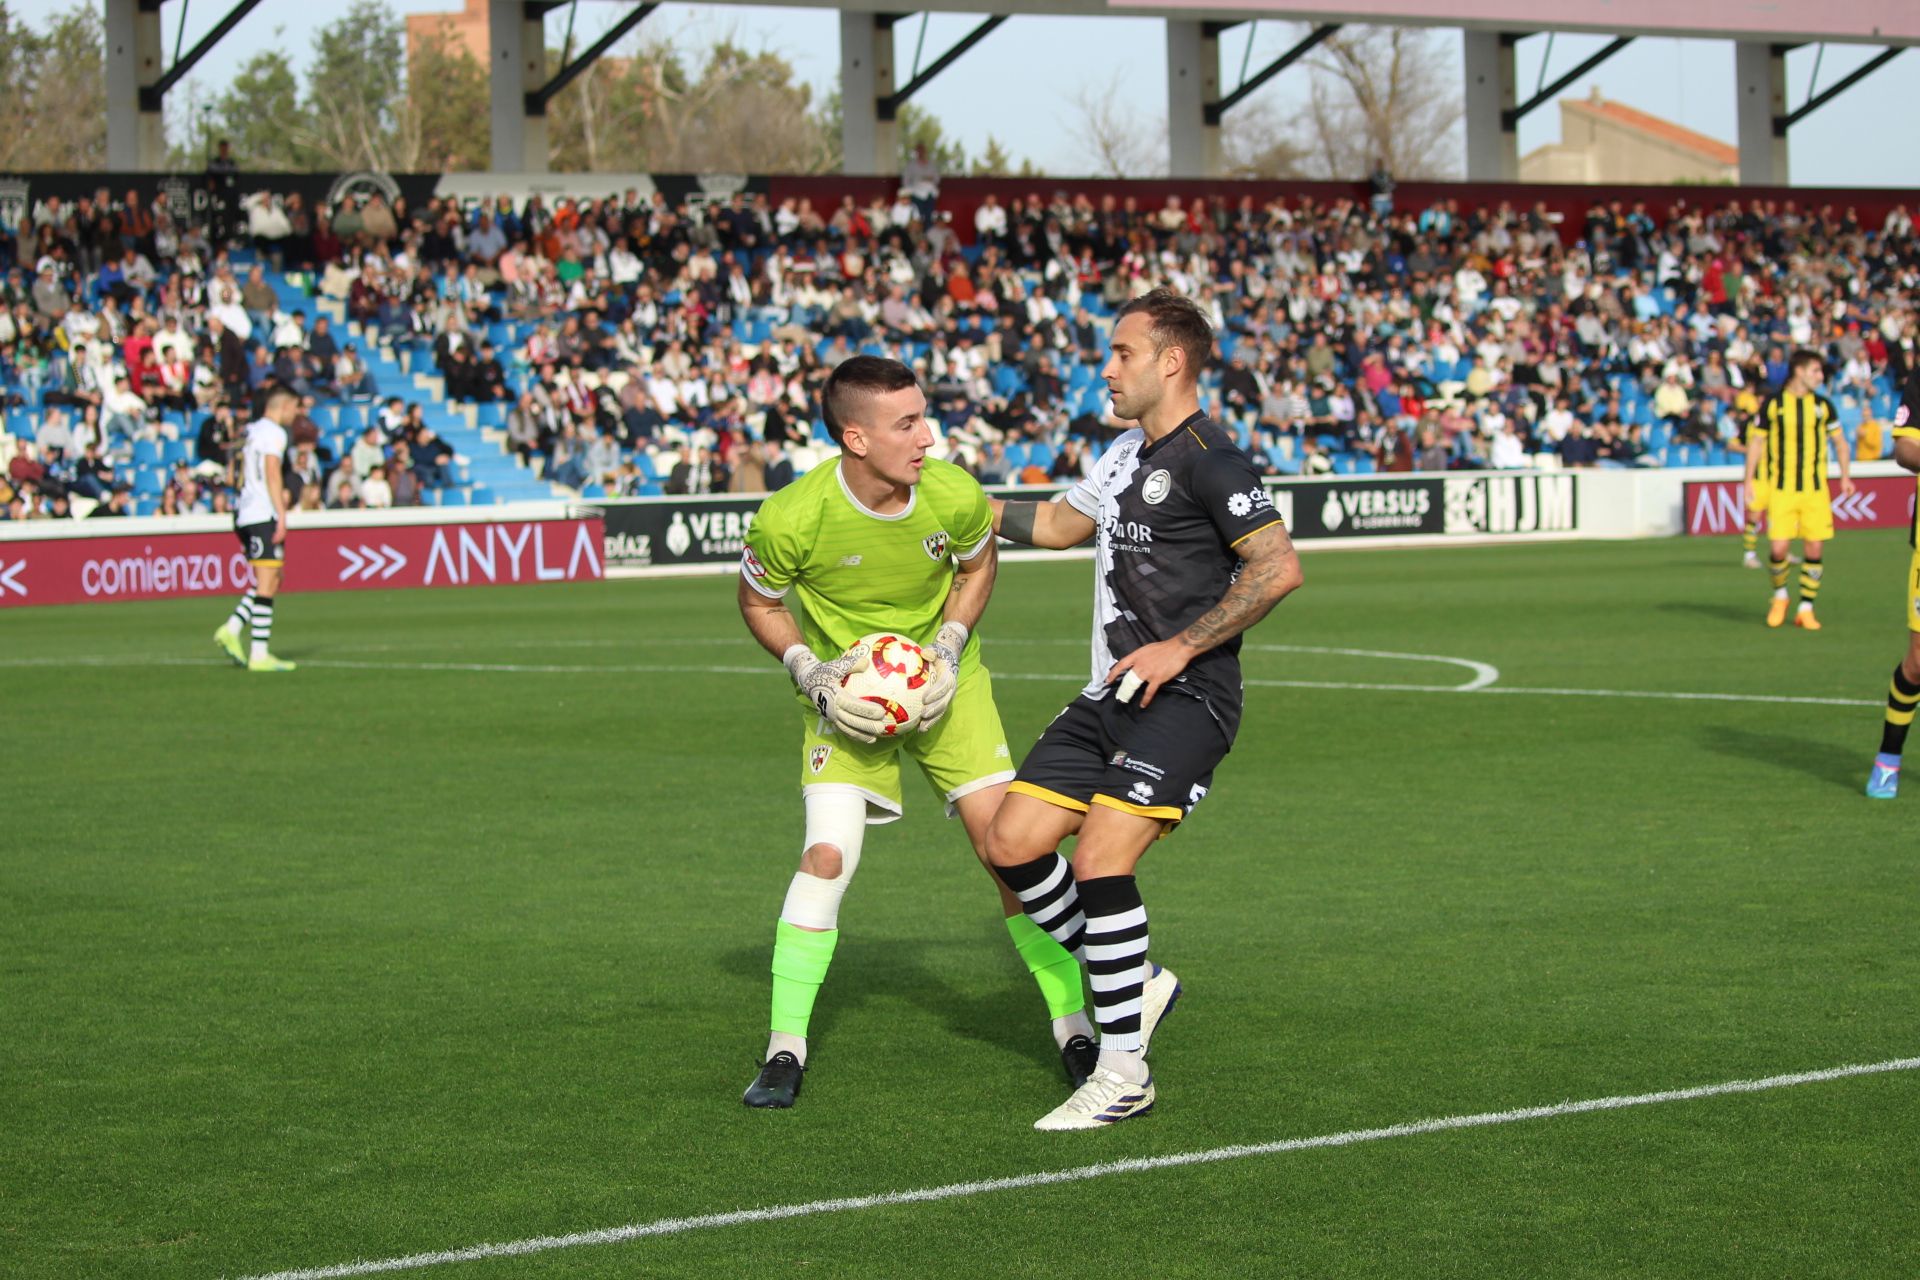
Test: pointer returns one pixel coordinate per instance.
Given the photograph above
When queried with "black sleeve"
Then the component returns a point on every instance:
(1228, 489)
(1907, 416)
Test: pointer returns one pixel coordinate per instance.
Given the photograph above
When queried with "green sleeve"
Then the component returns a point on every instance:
(772, 557)
(973, 519)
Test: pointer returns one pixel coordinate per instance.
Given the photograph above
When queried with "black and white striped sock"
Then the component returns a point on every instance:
(262, 624)
(242, 614)
(1046, 889)
(1116, 958)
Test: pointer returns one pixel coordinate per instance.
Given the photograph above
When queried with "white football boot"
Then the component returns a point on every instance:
(1104, 1099)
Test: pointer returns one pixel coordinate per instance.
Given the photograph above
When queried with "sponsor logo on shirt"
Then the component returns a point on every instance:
(1127, 535)
(817, 758)
(936, 545)
(847, 562)
(1157, 487)
(1241, 505)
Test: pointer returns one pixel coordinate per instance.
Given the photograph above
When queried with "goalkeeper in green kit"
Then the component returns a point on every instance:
(882, 538)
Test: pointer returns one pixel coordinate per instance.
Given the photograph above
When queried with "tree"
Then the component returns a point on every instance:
(918, 127)
(1115, 143)
(993, 161)
(354, 115)
(254, 114)
(657, 108)
(913, 126)
(448, 101)
(53, 108)
(1381, 93)
(1256, 143)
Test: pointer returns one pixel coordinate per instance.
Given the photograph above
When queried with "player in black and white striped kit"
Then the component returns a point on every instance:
(1190, 553)
(260, 523)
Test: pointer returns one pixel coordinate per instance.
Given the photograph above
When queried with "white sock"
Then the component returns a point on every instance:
(781, 1042)
(1806, 605)
(1128, 1064)
(1074, 1024)
(1779, 593)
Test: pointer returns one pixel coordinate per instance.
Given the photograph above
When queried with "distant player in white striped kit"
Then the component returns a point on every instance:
(1190, 552)
(260, 523)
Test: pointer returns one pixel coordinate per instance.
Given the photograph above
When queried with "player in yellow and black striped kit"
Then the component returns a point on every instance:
(1903, 697)
(1788, 452)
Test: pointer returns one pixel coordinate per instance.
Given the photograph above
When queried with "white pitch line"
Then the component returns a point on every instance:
(1474, 687)
(1081, 1173)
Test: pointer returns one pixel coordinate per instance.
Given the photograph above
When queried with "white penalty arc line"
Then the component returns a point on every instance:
(1081, 1173)
(1475, 686)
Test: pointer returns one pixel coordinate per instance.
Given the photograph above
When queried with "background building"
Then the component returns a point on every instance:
(1602, 141)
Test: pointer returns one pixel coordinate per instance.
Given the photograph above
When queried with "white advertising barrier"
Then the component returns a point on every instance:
(657, 536)
(97, 561)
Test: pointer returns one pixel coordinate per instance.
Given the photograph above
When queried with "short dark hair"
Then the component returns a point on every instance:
(1804, 357)
(854, 378)
(1174, 321)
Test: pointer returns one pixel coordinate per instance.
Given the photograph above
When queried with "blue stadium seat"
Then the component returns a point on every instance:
(146, 453)
(149, 483)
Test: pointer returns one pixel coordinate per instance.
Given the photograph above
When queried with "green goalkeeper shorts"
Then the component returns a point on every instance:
(965, 752)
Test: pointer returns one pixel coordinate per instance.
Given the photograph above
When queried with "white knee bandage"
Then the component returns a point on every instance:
(813, 902)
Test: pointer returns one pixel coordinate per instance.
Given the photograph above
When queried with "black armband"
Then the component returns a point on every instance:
(1016, 521)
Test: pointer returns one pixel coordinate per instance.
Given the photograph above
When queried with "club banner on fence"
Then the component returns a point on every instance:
(163, 566)
(1880, 502)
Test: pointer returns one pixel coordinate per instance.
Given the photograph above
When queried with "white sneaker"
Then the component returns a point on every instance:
(1104, 1099)
(1157, 997)
(1750, 561)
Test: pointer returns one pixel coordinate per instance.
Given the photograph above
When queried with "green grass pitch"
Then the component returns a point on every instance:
(460, 935)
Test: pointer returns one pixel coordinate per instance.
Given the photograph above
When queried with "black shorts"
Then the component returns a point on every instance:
(258, 540)
(1157, 762)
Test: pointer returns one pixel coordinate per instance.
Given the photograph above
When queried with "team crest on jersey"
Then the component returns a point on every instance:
(1902, 416)
(817, 758)
(751, 563)
(936, 545)
(1157, 487)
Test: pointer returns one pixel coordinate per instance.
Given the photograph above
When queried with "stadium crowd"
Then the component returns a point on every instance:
(632, 346)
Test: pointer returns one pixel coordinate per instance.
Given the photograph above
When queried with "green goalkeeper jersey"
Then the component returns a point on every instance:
(856, 571)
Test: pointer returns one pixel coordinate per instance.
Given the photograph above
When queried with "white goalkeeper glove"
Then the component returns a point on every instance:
(820, 681)
(945, 652)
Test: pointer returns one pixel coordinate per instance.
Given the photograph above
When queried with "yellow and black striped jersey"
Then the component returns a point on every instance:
(1906, 426)
(1794, 429)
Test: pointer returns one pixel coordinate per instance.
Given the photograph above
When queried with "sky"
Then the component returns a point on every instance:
(1016, 86)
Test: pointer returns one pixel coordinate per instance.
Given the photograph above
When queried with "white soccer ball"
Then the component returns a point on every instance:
(894, 676)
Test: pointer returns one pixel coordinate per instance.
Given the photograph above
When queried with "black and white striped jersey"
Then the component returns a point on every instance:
(1169, 515)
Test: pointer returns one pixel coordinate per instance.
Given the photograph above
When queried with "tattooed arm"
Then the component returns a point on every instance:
(1269, 572)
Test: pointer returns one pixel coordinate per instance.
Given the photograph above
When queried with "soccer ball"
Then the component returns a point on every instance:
(895, 676)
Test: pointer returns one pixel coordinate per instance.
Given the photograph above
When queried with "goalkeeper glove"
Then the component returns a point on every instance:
(820, 681)
(945, 652)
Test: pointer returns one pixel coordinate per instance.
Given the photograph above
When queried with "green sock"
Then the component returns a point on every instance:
(1052, 966)
(800, 960)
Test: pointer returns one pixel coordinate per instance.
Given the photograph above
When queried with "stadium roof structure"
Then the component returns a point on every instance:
(1763, 31)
